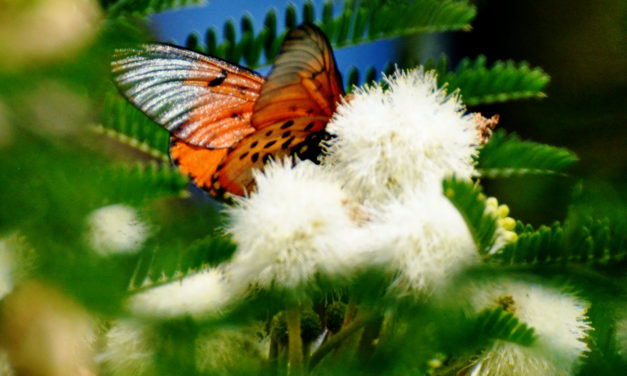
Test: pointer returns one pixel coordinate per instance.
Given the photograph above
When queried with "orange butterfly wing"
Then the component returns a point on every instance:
(199, 99)
(226, 120)
(198, 162)
(304, 81)
(293, 108)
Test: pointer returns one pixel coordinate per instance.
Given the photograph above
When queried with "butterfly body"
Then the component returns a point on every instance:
(226, 120)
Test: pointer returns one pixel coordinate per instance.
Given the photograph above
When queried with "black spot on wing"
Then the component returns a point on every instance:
(287, 124)
(309, 126)
(287, 143)
(218, 80)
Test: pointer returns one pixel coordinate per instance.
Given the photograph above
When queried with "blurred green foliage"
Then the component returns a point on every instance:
(55, 171)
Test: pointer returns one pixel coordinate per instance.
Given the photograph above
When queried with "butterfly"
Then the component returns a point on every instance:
(225, 120)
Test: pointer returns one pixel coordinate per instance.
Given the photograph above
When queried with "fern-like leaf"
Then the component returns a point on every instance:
(600, 241)
(591, 241)
(541, 246)
(141, 182)
(117, 8)
(477, 83)
(164, 265)
(356, 78)
(480, 84)
(507, 155)
(372, 20)
(358, 22)
(122, 121)
(496, 323)
(466, 198)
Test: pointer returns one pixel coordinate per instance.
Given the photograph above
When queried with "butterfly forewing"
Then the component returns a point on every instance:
(201, 100)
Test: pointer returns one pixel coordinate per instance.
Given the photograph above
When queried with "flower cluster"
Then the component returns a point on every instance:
(376, 197)
(376, 200)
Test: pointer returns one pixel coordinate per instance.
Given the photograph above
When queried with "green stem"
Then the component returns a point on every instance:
(295, 343)
(370, 334)
(351, 309)
(337, 339)
(273, 356)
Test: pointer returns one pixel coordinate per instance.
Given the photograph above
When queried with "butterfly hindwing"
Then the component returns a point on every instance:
(201, 100)
(276, 141)
(291, 113)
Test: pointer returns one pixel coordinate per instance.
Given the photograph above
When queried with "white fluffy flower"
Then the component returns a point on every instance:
(427, 240)
(128, 349)
(410, 135)
(297, 223)
(116, 229)
(203, 293)
(558, 318)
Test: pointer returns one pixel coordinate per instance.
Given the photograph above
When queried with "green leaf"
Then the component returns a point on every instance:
(357, 23)
(353, 77)
(496, 323)
(308, 12)
(162, 265)
(384, 19)
(125, 123)
(596, 222)
(145, 7)
(480, 84)
(541, 246)
(192, 42)
(140, 182)
(507, 155)
(467, 199)
(597, 240)
(584, 241)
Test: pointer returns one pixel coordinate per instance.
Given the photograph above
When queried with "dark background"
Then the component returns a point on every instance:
(582, 45)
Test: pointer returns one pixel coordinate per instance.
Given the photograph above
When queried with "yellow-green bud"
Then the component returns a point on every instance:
(507, 223)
